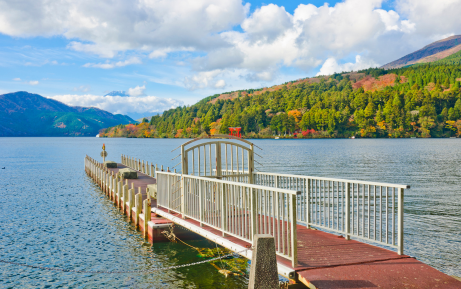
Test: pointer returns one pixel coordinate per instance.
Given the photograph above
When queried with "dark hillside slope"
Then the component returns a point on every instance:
(28, 114)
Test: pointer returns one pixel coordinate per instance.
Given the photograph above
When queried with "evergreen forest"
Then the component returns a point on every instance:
(422, 100)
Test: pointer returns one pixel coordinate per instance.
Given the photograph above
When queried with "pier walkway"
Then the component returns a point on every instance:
(323, 260)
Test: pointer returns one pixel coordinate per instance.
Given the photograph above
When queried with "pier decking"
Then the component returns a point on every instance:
(324, 260)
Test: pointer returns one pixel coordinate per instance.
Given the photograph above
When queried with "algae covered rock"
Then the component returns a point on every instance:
(128, 173)
(110, 164)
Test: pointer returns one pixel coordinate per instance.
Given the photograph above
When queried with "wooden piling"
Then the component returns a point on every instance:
(147, 216)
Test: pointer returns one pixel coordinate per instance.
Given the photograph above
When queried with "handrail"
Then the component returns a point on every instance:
(285, 191)
(337, 180)
(371, 211)
(237, 209)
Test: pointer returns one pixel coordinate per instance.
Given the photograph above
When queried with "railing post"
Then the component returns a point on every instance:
(183, 197)
(348, 212)
(294, 235)
(168, 192)
(400, 221)
(223, 210)
(251, 165)
(200, 192)
(254, 213)
(308, 202)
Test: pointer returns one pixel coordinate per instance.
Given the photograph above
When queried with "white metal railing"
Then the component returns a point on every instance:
(237, 209)
(140, 165)
(366, 210)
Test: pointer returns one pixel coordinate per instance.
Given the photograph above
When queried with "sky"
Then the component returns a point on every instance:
(163, 54)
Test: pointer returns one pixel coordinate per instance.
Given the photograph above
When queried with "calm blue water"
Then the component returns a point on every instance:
(53, 215)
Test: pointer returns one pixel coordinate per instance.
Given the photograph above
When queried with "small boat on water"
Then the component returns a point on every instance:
(353, 137)
(277, 137)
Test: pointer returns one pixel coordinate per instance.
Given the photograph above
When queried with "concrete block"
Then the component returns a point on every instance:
(128, 173)
(152, 189)
(263, 272)
(110, 164)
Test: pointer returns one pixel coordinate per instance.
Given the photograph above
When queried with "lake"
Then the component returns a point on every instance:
(53, 215)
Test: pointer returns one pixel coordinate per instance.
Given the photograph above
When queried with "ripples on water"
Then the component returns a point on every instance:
(53, 215)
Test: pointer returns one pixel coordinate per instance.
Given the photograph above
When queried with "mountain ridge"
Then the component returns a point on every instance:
(28, 114)
(432, 52)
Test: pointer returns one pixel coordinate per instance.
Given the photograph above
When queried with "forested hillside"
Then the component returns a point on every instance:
(28, 114)
(416, 101)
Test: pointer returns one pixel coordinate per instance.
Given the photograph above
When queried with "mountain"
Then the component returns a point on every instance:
(117, 93)
(28, 114)
(433, 52)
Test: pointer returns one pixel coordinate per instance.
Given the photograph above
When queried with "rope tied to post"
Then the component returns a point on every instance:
(122, 272)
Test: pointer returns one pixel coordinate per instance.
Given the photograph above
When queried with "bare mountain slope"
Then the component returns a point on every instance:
(429, 53)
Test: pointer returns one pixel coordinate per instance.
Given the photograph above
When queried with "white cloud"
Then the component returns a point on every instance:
(432, 19)
(220, 84)
(137, 91)
(83, 88)
(107, 27)
(100, 49)
(267, 23)
(110, 65)
(33, 82)
(147, 105)
(331, 66)
(159, 53)
(203, 80)
(17, 79)
(270, 38)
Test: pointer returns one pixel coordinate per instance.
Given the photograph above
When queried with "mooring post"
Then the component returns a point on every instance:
(130, 202)
(117, 193)
(115, 189)
(138, 208)
(125, 198)
(263, 272)
(147, 216)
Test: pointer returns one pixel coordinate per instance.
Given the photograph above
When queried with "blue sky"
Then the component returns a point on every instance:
(170, 53)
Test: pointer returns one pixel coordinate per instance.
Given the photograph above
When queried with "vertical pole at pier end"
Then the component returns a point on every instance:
(348, 211)
(400, 221)
(263, 272)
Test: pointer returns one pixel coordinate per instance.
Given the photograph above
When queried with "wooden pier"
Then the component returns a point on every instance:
(229, 212)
